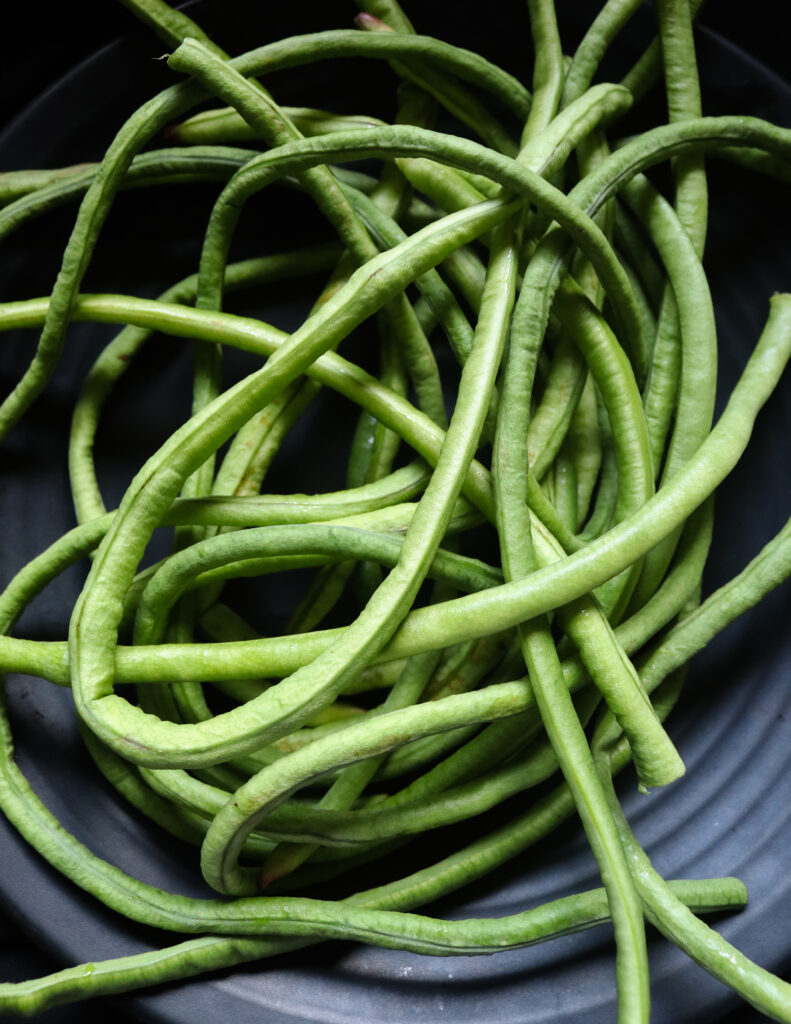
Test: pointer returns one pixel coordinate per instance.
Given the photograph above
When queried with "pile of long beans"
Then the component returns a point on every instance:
(580, 445)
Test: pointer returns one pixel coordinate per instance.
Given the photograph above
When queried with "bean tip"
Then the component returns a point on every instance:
(266, 878)
(370, 23)
(172, 133)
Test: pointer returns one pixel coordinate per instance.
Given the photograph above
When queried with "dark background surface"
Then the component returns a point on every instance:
(50, 38)
(45, 44)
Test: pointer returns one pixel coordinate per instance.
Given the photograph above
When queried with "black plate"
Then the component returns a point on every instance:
(731, 814)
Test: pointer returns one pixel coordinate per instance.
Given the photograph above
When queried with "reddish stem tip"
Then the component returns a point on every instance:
(371, 23)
